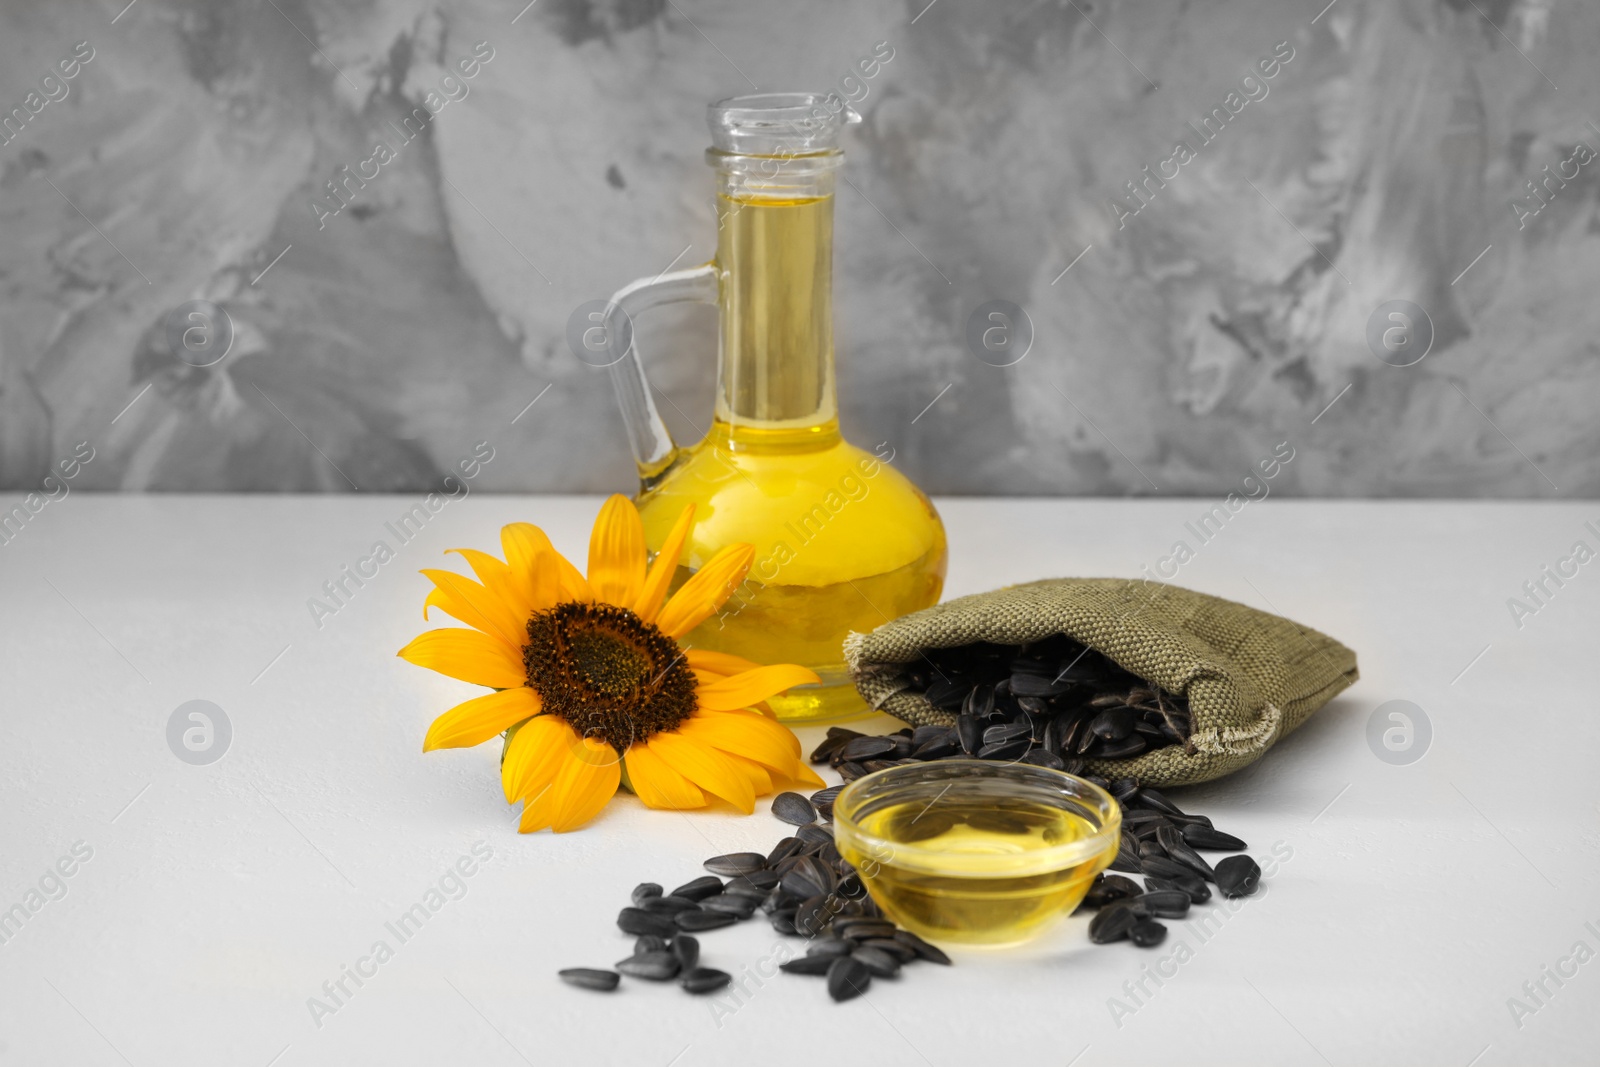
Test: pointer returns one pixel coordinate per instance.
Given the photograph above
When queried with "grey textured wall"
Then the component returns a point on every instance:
(1386, 158)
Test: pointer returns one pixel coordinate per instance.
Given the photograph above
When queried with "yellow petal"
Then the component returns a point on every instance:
(496, 577)
(530, 557)
(481, 718)
(751, 687)
(476, 606)
(706, 768)
(740, 733)
(721, 663)
(657, 784)
(574, 586)
(586, 782)
(760, 779)
(538, 811)
(534, 755)
(468, 655)
(663, 568)
(800, 774)
(616, 553)
(707, 591)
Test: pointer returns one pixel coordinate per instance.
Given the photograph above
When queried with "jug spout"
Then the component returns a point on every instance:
(611, 336)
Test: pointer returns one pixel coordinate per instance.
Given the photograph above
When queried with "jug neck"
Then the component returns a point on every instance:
(775, 380)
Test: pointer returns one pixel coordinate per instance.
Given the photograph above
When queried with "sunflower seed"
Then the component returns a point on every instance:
(899, 950)
(645, 891)
(1127, 858)
(827, 750)
(734, 904)
(861, 749)
(704, 920)
(638, 921)
(848, 977)
(1007, 750)
(649, 943)
(1238, 876)
(813, 835)
(590, 978)
(1110, 888)
(1195, 886)
(938, 748)
(861, 929)
(1149, 798)
(1213, 840)
(813, 916)
(1162, 904)
(794, 808)
(687, 951)
(702, 887)
(997, 735)
(789, 846)
(736, 863)
(705, 980)
(1179, 850)
(756, 884)
(655, 966)
(1112, 923)
(823, 799)
(1170, 869)
(1113, 724)
(879, 962)
(830, 946)
(1054, 733)
(670, 904)
(799, 883)
(782, 920)
(924, 950)
(1131, 745)
(808, 964)
(946, 693)
(1039, 757)
(1147, 933)
(969, 733)
(819, 872)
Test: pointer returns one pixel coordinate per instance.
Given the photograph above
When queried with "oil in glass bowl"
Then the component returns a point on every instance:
(976, 852)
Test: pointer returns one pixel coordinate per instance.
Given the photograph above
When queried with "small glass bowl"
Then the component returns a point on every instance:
(974, 851)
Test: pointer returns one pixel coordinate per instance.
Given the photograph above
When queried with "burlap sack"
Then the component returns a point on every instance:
(1249, 677)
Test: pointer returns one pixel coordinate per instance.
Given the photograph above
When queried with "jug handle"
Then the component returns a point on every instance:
(652, 445)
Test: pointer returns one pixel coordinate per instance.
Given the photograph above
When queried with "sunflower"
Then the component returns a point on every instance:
(593, 689)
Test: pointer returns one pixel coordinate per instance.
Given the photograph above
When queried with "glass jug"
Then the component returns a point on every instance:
(842, 540)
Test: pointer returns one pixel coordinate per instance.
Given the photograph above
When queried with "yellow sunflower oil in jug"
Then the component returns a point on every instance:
(843, 541)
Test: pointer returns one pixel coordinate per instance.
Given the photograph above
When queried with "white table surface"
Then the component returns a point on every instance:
(219, 898)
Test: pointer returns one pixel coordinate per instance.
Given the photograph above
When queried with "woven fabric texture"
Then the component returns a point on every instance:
(1250, 677)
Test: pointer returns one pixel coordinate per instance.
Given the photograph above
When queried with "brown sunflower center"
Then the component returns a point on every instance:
(607, 672)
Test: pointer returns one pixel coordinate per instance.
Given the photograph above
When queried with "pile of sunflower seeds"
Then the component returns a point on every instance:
(806, 889)
(1053, 702)
(803, 887)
